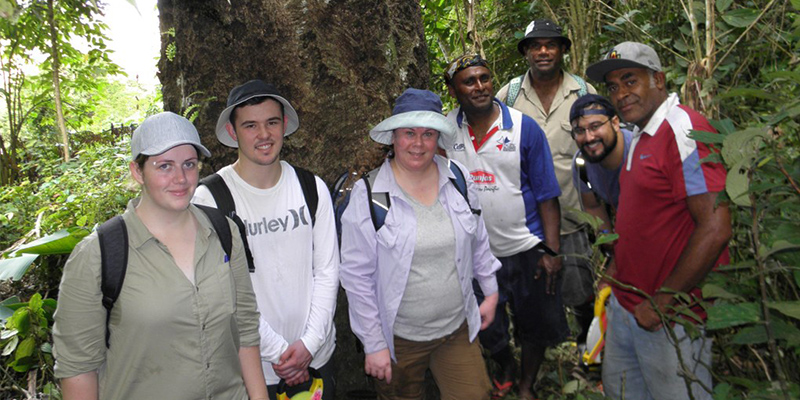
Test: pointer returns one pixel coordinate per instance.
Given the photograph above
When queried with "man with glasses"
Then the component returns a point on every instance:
(602, 145)
(672, 233)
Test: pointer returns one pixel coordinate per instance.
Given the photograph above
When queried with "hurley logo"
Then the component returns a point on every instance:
(291, 221)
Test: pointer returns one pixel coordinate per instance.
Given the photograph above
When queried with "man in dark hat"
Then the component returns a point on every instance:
(509, 160)
(546, 93)
(294, 246)
(672, 233)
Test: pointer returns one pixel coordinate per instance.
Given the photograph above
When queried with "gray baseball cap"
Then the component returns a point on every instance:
(163, 131)
(625, 55)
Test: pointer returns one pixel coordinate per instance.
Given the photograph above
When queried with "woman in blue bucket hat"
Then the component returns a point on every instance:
(412, 242)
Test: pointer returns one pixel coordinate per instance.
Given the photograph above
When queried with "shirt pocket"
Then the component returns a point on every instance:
(387, 234)
(467, 220)
(563, 145)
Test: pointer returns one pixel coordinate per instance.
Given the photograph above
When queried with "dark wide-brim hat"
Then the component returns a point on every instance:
(247, 91)
(542, 28)
(416, 108)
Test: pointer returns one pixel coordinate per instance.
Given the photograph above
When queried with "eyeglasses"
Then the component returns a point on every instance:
(579, 132)
(169, 167)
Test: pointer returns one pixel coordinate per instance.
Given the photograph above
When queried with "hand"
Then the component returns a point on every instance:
(379, 365)
(293, 364)
(551, 266)
(647, 317)
(487, 310)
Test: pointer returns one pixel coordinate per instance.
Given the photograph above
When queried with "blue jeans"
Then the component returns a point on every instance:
(639, 364)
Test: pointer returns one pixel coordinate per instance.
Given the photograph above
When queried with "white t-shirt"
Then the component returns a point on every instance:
(297, 269)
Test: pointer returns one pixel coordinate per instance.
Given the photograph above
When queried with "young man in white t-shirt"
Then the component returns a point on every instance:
(295, 253)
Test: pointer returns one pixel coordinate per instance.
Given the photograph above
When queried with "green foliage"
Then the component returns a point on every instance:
(25, 340)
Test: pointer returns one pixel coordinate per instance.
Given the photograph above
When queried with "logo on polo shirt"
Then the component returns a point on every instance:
(504, 144)
(458, 147)
(482, 178)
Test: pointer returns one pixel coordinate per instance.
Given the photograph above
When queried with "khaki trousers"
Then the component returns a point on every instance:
(457, 366)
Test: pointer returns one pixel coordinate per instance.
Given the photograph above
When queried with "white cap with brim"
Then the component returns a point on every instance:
(163, 131)
(245, 92)
(382, 133)
(625, 55)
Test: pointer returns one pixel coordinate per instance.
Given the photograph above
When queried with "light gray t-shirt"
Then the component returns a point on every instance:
(432, 305)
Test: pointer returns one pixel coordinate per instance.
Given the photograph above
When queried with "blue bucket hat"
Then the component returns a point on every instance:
(416, 108)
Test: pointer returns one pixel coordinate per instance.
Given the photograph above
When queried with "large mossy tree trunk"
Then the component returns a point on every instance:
(341, 63)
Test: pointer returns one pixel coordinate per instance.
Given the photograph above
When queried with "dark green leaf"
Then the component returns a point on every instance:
(788, 308)
(728, 315)
(15, 268)
(741, 17)
(25, 348)
(796, 4)
(758, 334)
(712, 291)
(748, 92)
(722, 5)
(737, 184)
(707, 137)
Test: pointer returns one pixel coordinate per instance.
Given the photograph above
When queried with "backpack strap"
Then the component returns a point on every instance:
(584, 89)
(222, 196)
(460, 183)
(513, 90)
(220, 224)
(309, 185)
(379, 201)
(113, 238)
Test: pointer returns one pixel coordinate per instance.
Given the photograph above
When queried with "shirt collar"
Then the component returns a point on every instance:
(139, 235)
(658, 117)
(386, 183)
(504, 118)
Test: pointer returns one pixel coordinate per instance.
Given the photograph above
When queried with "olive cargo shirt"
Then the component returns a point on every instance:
(169, 339)
(556, 127)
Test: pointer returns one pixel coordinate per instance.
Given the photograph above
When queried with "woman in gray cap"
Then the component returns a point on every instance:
(409, 277)
(184, 325)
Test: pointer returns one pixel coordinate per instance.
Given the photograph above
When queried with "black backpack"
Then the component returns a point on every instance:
(222, 196)
(113, 238)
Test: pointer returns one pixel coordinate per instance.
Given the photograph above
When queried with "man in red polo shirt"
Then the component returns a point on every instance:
(671, 233)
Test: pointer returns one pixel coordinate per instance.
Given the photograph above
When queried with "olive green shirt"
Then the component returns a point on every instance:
(556, 127)
(170, 339)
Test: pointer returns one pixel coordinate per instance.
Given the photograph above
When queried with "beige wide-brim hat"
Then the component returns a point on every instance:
(416, 108)
(245, 92)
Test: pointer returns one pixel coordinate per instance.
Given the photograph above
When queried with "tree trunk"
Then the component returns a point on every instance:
(62, 127)
(341, 63)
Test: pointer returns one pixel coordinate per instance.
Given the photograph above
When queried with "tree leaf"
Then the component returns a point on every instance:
(740, 18)
(722, 5)
(796, 4)
(748, 92)
(742, 144)
(6, 333)
(25, 348)
(728, 315)
(606, 238)
(737, 184)
(712, 291)
(707, 137)
(779, 246)
(758, 334)
(788, 308)
(10, 346)
(15, 268)
(61, 242)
